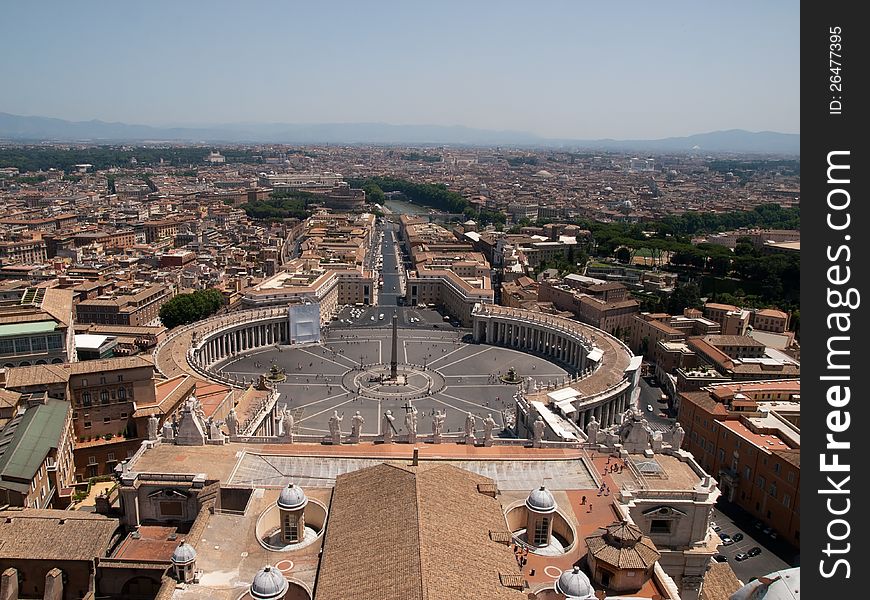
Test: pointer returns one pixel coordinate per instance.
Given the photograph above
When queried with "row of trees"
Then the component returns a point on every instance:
(433, 195)
(187, 308)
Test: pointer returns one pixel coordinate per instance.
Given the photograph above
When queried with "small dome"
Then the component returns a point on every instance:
(292, 497)
(541, 500)
(575, 585)
(184, 554)
(268, 584)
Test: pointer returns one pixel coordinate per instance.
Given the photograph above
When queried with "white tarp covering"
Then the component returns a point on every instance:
(304, 323)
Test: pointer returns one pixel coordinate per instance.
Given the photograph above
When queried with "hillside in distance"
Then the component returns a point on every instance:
(18, 128)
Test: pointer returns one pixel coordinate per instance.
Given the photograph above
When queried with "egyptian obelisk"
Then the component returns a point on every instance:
(395, 345)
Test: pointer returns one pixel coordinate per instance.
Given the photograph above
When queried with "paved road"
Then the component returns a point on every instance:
(649, 396)
(757, 566)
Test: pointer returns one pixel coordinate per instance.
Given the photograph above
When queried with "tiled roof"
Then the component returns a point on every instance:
(54, 535)
(623, 546)
(719, 582)
(409, 533)
(26, 441)
(47, 374)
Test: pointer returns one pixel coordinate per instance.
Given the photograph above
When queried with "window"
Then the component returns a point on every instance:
(84, 383)
(107, 419)
(291, 527)
(786, 500)
(660, 526)
(120, 378)
(92, 460)
(721, 454)
(104, 397)
(110, 457)
(123, 415)
(87, 424)
(122, 394)
(86, 398)
(747, 473)
(760, 481)
(38, 343)
(790, 477)
(102, 381)
(542, 537)
(777, 468)
(772, 490)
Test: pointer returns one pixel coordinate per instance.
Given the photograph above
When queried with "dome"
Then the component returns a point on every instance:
(183, 554)
(575, 584)
(541, 500)
(292, 497)
(268, 584)
(781, 585)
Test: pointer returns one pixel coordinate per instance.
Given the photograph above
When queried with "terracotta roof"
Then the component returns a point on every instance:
(622, 545)
(47, 374)
(791, 456)
(54, 535)
(408, 533)
(719, 582)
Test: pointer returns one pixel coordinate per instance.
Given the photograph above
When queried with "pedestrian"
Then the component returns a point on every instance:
(583, 501)
(589, 510)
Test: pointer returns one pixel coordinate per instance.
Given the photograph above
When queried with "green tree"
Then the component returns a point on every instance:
(684, 296)
(187, 308)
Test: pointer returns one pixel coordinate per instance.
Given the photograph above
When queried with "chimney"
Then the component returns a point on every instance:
(9, 584)
(416, 459)
(53, 585)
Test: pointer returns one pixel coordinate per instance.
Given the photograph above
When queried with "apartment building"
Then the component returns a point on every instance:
(747, 435)
(36, 454)
(610, 309)
(124, 306)
(36, 327)
(103, 395)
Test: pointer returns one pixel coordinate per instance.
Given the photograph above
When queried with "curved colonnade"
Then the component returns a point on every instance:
(606, 371)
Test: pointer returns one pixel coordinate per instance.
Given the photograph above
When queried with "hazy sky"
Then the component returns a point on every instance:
(573, 69)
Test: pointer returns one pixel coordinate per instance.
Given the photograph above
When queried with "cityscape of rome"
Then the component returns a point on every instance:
(370, 370)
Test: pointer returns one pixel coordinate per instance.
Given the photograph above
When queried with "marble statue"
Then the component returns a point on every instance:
(592, 428)
(356, 424)
(232, 422)
(538, 432)
(153, 422)
(287, 424)
(438, 425)
(677, 436)
(387, 426)
(469, 429)
(489, 425)
(411, 424)
(335, 427)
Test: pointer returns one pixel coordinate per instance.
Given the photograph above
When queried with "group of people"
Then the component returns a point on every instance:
(614, 467)
(521, 553)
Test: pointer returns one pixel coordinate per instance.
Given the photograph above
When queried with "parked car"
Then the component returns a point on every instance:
(754, 551)
(737, 536)
(767, 530)
(715, 527)
(720, 558)
(757, 524)
(741, 556)
(726, 539)
(649, 407)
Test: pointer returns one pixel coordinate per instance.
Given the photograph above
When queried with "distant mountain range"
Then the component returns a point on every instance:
(22, 129)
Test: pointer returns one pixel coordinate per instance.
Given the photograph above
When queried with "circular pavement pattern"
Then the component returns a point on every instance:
(442, 373)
